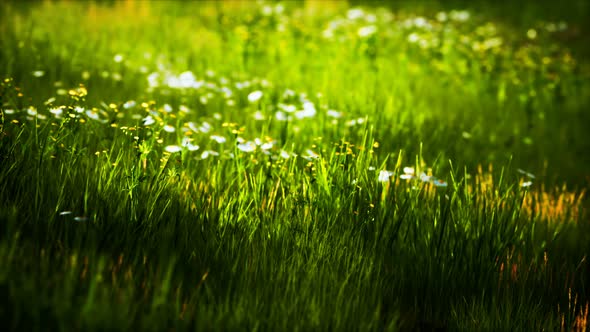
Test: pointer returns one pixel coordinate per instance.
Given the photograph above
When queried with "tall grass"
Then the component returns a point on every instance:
(316, 167)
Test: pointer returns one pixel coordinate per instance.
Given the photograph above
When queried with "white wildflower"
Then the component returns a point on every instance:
(384, 175)
(172, 148)
(218, 139)
(367, 31)
(254, 96)
(247, 146)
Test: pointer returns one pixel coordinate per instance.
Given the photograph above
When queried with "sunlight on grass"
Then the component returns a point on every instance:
(300, 165)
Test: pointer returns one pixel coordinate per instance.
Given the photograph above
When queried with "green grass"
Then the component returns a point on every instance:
(314, 168)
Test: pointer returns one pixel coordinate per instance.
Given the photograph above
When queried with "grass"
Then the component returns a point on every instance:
(304, 166)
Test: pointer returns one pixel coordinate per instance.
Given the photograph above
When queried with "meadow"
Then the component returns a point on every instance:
(308, 165)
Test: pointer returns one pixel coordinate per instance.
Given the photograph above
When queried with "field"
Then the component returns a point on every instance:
(309, 165)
